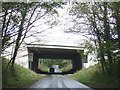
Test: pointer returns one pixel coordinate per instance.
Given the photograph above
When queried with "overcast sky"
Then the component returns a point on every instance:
(56, 35)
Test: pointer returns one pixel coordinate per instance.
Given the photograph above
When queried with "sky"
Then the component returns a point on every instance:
(56, 34)
(51, 36)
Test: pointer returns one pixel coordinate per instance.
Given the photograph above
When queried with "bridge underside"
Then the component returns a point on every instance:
(54, 53)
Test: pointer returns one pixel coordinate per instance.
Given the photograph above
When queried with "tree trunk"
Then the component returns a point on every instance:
(23, 13)
(101, 47)
(107, 36)
(117, 17)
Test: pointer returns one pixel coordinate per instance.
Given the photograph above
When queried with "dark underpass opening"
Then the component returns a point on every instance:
(64, 65)
(42, 57)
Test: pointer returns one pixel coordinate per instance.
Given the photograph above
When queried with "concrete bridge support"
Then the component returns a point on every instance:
(77, 62)
(35, 62)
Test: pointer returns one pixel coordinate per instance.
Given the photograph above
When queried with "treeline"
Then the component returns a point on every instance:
(102, 22)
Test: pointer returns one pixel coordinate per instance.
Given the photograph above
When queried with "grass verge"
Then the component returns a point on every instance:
(67, 68)
(22, 77)
(94, 78)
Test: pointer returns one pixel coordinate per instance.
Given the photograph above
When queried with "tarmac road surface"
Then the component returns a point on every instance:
(60, 81)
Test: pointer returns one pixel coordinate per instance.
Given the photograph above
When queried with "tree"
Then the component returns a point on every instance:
(18, 19)
(101, 26)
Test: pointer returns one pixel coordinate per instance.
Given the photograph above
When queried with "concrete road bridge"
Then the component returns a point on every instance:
(37, 51)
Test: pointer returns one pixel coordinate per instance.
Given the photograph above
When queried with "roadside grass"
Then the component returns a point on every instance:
(43, 67)
(94, 78)
(67, 68)
(21, 77)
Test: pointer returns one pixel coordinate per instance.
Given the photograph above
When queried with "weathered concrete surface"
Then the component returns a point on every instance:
(59, 81)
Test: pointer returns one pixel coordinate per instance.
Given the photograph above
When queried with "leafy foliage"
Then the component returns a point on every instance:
(94, 78)
(47, 63)
(19, 19)
(23, 77)
(102, 20)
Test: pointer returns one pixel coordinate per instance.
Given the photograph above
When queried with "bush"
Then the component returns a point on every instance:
(94, 77)
(18, 76)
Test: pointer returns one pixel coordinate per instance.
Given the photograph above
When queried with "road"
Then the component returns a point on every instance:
(59, 81)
